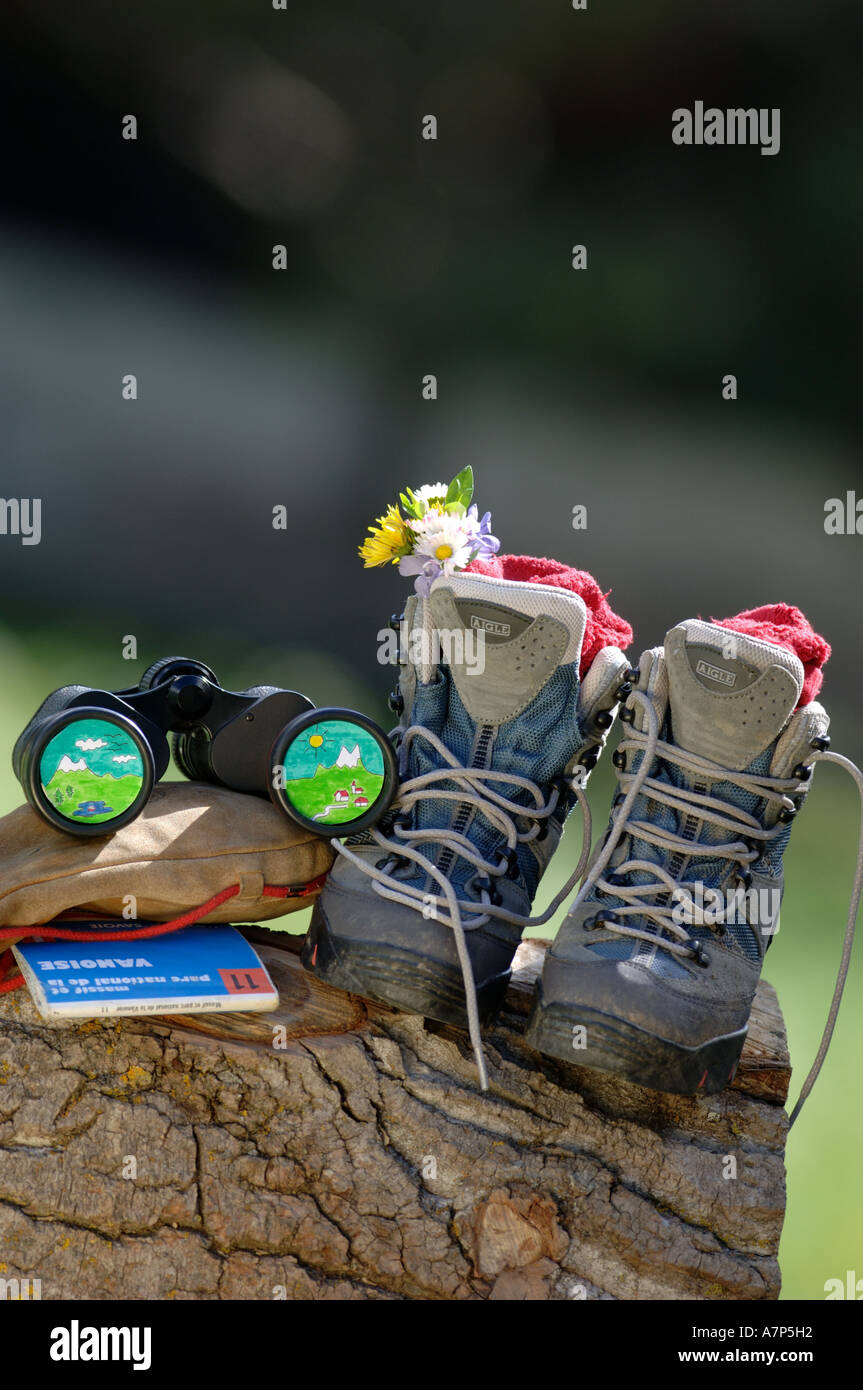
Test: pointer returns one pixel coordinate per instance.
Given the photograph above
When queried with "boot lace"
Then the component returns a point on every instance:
(435, 851)
(651, 901)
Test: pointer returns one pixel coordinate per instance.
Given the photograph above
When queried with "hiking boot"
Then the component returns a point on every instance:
(496, 738)
(653, 972)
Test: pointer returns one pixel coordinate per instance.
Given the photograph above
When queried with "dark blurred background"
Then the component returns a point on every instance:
(302, 387)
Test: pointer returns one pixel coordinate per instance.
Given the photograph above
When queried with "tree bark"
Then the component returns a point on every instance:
(338, 1150)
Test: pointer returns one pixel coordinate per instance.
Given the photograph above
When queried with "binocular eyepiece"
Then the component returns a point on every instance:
(88, 759)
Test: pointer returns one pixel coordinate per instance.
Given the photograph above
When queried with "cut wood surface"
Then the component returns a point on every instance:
(337, 1149)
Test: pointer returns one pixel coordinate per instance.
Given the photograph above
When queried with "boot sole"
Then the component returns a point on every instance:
(402, 979)
(641, 1057)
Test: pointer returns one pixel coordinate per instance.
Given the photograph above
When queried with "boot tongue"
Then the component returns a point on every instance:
(729, 695)
(506, 639)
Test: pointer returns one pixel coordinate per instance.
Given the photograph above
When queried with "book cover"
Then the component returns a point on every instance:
(199, 969)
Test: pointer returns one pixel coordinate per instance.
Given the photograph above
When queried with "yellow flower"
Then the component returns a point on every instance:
(388, 540)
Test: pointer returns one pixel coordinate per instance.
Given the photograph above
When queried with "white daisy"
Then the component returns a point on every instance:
(432, 495)
(450, 540)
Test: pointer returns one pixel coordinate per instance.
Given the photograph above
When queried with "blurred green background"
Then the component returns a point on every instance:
(257, 388)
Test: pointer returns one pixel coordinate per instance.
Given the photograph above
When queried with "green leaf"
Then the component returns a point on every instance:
(460, 490)
(410, 505)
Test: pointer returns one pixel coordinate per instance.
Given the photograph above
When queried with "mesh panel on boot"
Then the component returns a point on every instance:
(712, 873)
(538, 743)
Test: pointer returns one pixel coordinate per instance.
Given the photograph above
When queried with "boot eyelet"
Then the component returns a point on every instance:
(624, 691)
(396, 702)
(627, 715)
(602, 921)
(632, 673)
(619, 759)
(589, 759)
(482, 883)
(820, 744)
(397, 860)
(802, 772)
(744, 876)
(701, 958)
(396, 620)
(512, 865)
(786, 815)
(604, 719)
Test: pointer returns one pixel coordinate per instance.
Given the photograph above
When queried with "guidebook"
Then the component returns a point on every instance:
(194, 970)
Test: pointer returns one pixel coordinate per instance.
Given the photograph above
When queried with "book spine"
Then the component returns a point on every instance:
(128, 1008)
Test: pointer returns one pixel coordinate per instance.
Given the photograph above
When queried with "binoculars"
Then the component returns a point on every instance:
(88, 759)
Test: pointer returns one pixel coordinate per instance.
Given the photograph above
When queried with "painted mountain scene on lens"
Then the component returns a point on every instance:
(91, 771)
(333, 772)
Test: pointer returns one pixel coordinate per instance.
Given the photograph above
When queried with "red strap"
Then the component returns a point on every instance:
(8, 982)
(51, 933)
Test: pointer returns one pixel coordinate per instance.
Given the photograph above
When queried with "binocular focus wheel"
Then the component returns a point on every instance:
(186, 747)
(333, 771)
(88, 770)
(169, 667)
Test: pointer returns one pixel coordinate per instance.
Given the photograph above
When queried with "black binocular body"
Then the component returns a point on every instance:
(88, 759)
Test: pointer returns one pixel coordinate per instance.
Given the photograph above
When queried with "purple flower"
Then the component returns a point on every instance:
(487, 543)
(425, 569)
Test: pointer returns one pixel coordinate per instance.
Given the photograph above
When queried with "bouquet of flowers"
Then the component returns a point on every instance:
(436, 530)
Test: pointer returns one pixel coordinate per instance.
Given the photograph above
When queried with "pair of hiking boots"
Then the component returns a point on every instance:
(425, 911)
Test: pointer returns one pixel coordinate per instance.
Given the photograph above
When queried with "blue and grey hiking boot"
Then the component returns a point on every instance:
(500, 725)
(653, 972)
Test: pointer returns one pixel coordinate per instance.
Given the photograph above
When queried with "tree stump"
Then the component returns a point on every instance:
(337, 1149)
